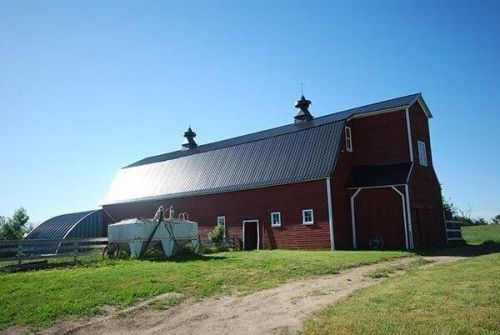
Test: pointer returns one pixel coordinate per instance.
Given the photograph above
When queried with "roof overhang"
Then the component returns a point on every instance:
(418, 99)
(378, 175)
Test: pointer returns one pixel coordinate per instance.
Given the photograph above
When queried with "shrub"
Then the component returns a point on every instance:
(216, 237)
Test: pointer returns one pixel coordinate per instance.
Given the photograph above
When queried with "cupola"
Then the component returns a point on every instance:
(303, 114)
(189, 142)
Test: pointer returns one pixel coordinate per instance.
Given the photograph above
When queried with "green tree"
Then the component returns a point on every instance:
(496, 219)
(16, 227)
(449, 208)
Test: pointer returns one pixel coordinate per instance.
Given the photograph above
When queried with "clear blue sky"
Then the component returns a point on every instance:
(87, 87)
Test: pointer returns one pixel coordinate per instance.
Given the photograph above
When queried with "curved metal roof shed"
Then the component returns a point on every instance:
(86, 224)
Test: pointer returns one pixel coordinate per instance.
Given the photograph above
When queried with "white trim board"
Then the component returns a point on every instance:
(353, 219)
(403, 209)
(330, 213)
(410, 227)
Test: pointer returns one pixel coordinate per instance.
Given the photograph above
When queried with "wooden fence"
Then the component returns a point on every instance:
(453, 230)
(24, 250)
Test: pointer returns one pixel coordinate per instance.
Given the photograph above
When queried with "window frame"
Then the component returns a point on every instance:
(223, 217)
(348, 139)
(304, 222)
(272, 220)
(422, 153)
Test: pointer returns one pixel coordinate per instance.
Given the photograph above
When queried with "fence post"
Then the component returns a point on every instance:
(75, 252)
(19, 253)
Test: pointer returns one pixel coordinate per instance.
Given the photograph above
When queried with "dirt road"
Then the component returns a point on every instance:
(280, 310)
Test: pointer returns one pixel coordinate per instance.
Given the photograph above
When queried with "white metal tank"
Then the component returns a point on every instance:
(136, 235)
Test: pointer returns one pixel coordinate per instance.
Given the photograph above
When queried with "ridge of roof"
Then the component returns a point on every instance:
(398, 102)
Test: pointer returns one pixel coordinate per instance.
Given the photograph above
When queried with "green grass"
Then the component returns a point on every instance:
(387, 271)
(38, 298)
(166, 303)
(455, 298)
(476, 235)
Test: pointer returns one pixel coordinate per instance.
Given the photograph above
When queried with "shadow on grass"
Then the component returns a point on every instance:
(182, 258)
(461, 249)
(98, 261)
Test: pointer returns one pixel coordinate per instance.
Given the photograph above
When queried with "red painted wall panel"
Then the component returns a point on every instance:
(257, 204)
(379, 213)
(425, 190)
(380, 139)
(376, 139)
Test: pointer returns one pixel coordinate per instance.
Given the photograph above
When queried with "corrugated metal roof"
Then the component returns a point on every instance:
(60, 226)
(378, 175)
(274, 160)
(73, 225)
(287, 154)
(343, 115)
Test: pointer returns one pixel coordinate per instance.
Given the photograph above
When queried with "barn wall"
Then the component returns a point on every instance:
(380, 139)
(425, 191)
(258, 204)
(376, 139)
(340, 197)
(379, 212)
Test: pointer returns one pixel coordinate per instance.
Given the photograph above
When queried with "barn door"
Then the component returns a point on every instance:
(251, 235)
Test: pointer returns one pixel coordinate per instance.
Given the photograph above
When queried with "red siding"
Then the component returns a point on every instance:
(425, 191)
(383, 138)
(376, 139)
(380, 139)
(379, 213)
(257, 204)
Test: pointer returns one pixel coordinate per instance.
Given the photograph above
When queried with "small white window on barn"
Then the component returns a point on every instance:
(221, 221)
(307, 216)
(422, 153)
(275, 219)
(348, 139)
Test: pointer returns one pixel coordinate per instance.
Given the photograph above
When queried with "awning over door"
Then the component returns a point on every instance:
(378, 175)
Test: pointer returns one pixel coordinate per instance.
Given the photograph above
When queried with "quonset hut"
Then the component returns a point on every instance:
(86, 224)
(359, 178)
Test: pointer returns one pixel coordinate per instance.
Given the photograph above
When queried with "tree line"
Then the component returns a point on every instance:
(16, 226)
(464, 216)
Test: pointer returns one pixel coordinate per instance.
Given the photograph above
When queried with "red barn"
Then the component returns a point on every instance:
(355, 179)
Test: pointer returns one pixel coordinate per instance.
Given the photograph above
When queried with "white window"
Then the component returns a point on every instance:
(348, 139)
(221, 220)
(307, 216)
(422, 153)
(275, 219)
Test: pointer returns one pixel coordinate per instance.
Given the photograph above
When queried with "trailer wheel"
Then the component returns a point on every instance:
(111, 250)
(376, 243)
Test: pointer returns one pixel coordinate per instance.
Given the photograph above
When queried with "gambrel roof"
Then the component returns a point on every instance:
(288, 154)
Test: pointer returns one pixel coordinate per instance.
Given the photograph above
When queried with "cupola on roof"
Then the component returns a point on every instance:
(303, 106)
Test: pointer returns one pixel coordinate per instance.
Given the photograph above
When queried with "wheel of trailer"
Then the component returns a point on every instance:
(111, 250)
(376, 243)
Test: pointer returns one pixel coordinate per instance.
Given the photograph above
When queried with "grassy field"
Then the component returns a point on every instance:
(476, 235)
(455, 298)
(38, 298)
